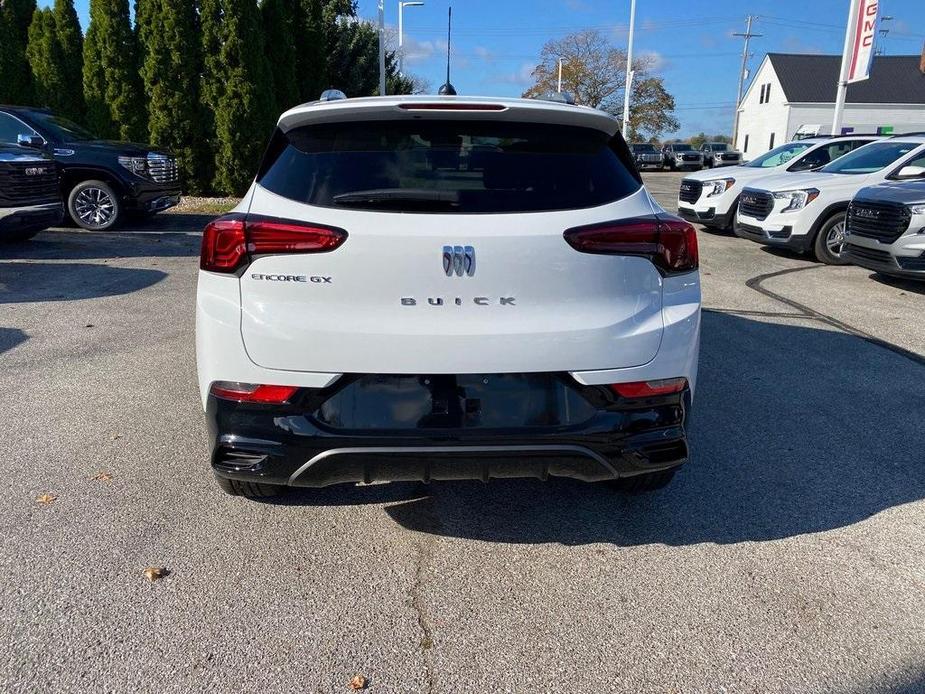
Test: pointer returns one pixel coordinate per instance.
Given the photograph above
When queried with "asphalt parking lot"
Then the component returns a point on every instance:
(789, 556)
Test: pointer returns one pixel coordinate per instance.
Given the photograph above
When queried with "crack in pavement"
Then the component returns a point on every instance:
(423, 555)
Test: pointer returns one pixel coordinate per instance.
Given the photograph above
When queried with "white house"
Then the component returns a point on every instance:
(790, 91)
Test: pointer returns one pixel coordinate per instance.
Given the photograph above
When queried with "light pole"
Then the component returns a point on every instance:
(401, 32)
(381, 48)
(559, 90)
(629, 70)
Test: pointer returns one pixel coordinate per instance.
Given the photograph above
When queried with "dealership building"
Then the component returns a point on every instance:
(795, 94)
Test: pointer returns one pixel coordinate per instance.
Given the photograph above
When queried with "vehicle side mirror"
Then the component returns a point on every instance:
(30, 140)
(911, 172)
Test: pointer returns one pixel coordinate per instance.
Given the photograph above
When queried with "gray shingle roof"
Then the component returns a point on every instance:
(894, 79)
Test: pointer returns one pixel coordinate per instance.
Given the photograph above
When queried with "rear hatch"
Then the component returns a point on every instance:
(452, 257)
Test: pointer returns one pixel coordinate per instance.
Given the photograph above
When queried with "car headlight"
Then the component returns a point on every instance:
(918, 209)
(137, 165)
(718, 187)
(798, 198)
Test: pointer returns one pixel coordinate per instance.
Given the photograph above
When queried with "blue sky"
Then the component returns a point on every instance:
(496, 42)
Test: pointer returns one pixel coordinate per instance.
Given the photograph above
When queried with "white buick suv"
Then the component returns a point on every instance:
(807, 214)
(431, 288)
(711, 197)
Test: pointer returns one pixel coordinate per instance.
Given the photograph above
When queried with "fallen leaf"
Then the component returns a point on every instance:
(358, 682)
(46, 498)
(102, 476)
(115, 436)
(153, 573)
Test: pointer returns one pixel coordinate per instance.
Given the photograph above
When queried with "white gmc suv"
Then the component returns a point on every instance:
(430, 288)
(711, 197)
(807, 214)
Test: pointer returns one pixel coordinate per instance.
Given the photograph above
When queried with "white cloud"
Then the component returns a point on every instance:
(523, 77)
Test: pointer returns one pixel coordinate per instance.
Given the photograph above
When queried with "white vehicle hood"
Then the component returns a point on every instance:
(797, 181)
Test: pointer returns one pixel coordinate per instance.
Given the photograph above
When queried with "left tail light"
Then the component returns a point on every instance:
(669, 242)
(253, 392)
(229, 241)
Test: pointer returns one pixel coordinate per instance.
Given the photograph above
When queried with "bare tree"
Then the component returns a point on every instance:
(594, 71)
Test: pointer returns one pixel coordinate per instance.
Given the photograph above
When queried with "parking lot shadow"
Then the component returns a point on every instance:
(164, 236)
(10, 338)
(911, 286)
(31, 282)
(796, 429)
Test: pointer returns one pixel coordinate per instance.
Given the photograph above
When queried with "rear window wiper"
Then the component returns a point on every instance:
(416, 197)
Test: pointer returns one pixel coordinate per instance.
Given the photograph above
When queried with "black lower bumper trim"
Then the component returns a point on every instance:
(779, 239)
(294, 445)
(885, 263)
(708, 218)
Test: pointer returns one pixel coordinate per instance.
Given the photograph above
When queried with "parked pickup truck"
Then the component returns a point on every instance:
(30, 199)
(680, 155)
(647, 156)
(716, 154)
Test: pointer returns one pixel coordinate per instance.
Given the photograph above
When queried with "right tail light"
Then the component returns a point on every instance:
(669, 242)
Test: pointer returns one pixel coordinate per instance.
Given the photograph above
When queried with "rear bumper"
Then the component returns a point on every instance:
(284, 445)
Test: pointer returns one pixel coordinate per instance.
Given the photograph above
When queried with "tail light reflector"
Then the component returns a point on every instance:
(228, 241)
(252, 392)
(647, 389)
(669, 242)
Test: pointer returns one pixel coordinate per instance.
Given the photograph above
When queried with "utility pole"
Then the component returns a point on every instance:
(628, 88)
(842, 93)
(748, 36)
(559, 90)
(381, 48)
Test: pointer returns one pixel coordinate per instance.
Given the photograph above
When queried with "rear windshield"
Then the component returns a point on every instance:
(469, 167)
(644, 148)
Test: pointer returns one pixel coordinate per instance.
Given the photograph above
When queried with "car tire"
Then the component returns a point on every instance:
(18, 236)
(830, 241)
(94, 206)
(251, 490)
(642, 484)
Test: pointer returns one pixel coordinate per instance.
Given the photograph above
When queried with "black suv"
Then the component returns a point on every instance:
(100, 179)
(30, 198)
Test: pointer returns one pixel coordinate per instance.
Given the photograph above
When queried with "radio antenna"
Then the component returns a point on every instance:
(447, 89)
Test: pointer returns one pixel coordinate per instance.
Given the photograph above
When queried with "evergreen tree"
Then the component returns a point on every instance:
(45, 61)
(353, 63)
(112, 85)
(235, 87)
(71, 41)
(279, 33)
(170, 66)
(317, 34)
(15, 75)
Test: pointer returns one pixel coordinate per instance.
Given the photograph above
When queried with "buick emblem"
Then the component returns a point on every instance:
(459, 261)
(35, 171)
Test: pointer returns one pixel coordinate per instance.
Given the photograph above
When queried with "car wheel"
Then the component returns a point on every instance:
(641, 484)
(830, 241)
(94, 206)
(251, 490)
